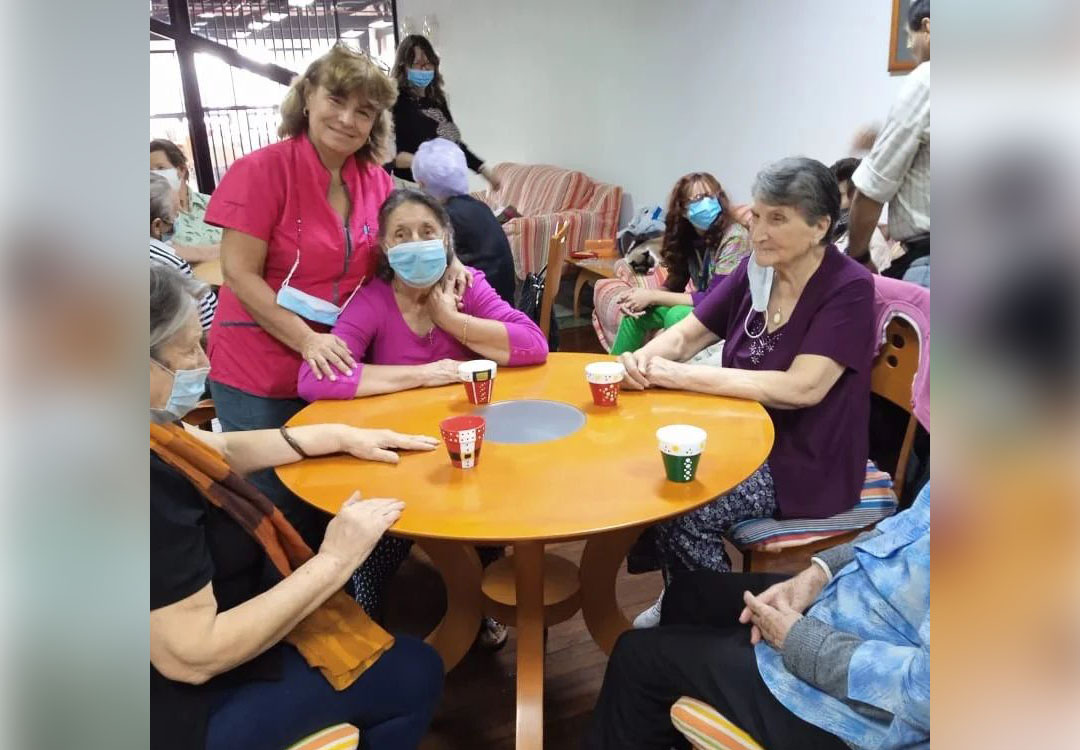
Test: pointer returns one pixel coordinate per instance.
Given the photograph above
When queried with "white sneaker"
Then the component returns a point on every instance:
(650, 618)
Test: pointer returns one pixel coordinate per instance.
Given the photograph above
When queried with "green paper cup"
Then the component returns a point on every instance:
(680, 447)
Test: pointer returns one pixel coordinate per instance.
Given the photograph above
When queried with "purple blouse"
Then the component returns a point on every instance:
(818, 460)
(376, 333)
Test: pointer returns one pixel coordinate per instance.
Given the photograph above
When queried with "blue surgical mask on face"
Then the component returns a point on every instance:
(703, 212)
(418, 264)
(167, 236)
(188, 388)
(421, 78)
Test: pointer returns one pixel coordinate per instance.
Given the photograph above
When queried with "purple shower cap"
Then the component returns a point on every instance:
(440, 165)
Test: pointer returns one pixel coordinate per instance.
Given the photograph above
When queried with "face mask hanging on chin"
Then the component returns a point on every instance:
(761, 280)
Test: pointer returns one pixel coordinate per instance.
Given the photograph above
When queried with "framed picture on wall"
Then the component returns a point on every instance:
(900, 59)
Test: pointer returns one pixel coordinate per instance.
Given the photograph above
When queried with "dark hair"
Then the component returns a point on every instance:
(172, 152)
(919, 10)
(843, 169)
(406, 51)
(804, 184)
(679, 233)
(395, 200)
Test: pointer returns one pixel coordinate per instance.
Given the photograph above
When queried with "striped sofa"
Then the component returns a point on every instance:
(606, 315)
(544, 196)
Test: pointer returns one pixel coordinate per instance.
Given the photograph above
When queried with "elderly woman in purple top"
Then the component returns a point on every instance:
(796, 317)
(407, 332)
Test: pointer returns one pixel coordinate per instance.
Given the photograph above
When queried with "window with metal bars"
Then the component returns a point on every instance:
(232, 62)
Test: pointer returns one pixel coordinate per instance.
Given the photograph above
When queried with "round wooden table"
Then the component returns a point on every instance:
(604, 483)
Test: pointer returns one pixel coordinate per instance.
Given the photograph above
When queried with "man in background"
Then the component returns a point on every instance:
(897, 170)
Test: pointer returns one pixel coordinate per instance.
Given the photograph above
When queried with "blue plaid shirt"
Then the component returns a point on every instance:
(883, 598)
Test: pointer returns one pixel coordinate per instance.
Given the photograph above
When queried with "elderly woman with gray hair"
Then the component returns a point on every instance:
(253, 643)
(164, 204)
(797, 320)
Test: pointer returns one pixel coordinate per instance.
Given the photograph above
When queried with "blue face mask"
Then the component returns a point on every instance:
(308, 306)
(702, 213)
(188, 388)
(421, 78)
(418, 264)
(166, 237)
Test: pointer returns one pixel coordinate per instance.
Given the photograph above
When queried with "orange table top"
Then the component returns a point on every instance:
(605, 476)
(209, 271)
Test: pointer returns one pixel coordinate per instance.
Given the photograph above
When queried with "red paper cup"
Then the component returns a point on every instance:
(605, 394)
(479, 378)
(463, 437)
(604, 379)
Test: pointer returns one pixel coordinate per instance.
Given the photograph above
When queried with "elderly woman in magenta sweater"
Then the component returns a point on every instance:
(408, 332)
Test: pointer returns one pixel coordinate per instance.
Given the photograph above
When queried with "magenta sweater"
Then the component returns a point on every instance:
(377, 334)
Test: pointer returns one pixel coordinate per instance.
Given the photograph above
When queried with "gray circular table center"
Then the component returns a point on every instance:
(530, 421)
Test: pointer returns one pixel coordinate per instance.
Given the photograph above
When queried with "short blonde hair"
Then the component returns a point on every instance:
(344, 72)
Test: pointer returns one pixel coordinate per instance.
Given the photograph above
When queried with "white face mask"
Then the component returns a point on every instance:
(761, 280)
(171, 175)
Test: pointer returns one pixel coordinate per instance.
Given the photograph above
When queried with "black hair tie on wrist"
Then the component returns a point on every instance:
(292, 443)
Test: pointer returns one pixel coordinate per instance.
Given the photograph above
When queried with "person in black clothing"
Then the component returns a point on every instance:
(221, 672)
(479, 239)
(421, 112)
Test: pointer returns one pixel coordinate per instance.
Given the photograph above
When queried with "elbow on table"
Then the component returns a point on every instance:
(805, 395)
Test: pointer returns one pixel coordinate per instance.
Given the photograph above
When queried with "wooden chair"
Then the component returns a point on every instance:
(556, 257)
(892, 377)
(202, 415)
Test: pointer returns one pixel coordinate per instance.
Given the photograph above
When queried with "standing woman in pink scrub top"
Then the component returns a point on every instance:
(300, 237)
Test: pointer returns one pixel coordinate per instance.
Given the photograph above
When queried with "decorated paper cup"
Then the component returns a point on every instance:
(680, 447)
(463, 437)
(479, 378)
(604, 379)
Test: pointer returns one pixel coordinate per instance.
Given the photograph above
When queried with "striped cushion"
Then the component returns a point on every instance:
(878, 501)
(337, 737)
(606, 315)
(707, 729)
(546, 195)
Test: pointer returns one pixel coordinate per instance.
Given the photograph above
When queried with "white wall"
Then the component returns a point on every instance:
(639, 92)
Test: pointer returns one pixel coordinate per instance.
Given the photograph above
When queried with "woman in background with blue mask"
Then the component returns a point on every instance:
(407, 332)
(223, 612)
(702, 240)
(421, 112)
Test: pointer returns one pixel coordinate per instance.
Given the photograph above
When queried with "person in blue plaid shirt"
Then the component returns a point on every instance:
(836, 657)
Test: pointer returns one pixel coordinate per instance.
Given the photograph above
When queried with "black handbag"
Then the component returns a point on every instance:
(529, 299)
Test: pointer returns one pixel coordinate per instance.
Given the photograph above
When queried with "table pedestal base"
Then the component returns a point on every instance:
(561, 597)
(530, 590)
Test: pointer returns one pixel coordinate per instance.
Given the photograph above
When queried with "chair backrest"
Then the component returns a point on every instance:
(556, 257)
(202, 415)
(891, 378)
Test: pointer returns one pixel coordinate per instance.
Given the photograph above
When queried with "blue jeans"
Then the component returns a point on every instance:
(239, 410)
(919, 272)
(392, 703)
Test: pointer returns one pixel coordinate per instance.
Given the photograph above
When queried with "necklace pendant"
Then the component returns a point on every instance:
(776, 318)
